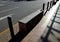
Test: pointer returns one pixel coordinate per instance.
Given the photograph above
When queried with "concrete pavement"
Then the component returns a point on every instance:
(52, 31)
(19, 9)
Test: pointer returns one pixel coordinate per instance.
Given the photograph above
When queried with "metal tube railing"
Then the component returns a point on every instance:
(10, 26)
(47, 6)
(43, 6)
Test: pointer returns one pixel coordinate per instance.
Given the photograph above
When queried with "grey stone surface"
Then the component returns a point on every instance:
(19, 9)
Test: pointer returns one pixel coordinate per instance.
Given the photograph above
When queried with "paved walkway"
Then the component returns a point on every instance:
(5, 35)
(52, 32)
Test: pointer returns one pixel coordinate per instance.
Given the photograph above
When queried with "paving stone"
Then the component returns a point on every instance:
(54, 34)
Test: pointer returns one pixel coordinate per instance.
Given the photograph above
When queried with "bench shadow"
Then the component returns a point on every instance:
(55, 29)
(18, 37)
(26, 28)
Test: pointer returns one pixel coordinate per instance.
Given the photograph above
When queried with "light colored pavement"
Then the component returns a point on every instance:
(5, 35)
(52, 32)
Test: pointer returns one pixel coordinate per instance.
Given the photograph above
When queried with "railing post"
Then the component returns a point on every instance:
(47, 6)
(57, 0)
(50, 4)
(43, 6)
(10, 26)
(53, 2)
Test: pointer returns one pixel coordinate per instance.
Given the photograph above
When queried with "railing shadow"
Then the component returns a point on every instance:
(55, 29)
(45, 39)
(55, 36)
(24, 28)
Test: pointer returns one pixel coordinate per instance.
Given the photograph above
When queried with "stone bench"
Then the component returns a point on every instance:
(30, 21)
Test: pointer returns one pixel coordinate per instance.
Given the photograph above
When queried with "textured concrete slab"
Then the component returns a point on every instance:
(53, 30)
